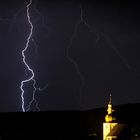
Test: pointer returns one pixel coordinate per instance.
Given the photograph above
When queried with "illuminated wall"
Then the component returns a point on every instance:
(107, 127)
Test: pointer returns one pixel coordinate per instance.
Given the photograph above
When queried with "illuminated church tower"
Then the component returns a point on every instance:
(109, 121)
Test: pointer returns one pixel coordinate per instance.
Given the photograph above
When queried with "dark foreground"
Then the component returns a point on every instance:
(42, 125)
(64, 125)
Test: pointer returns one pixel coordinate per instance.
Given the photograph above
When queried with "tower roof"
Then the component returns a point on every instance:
(116, 131)
(110, 99)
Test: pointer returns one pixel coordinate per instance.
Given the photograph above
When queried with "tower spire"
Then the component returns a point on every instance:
(109, 117)
(110, 120)
(110, 100)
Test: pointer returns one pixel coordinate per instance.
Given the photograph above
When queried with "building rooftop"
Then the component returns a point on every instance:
(116, 131)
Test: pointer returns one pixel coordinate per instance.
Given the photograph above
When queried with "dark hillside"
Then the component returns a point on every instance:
(62, 125)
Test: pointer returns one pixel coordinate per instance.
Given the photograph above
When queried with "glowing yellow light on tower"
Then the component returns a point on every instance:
(109, 120)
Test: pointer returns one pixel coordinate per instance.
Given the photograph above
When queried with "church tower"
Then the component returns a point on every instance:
(109, 120)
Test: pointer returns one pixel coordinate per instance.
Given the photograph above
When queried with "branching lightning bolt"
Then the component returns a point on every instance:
(33, 97)
(74, 34)
(24, 58)
(31, 78)
(99, 34)
(28, 68)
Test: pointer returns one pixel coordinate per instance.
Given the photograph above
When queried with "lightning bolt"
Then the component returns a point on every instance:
(71, 60)
(33, 97)
(28, 68)
(32, 77)
(100, 34)
(24, 58)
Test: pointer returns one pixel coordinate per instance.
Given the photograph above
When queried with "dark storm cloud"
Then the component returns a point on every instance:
(107, 53)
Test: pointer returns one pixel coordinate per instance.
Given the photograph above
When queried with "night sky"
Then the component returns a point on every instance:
(80, 51)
